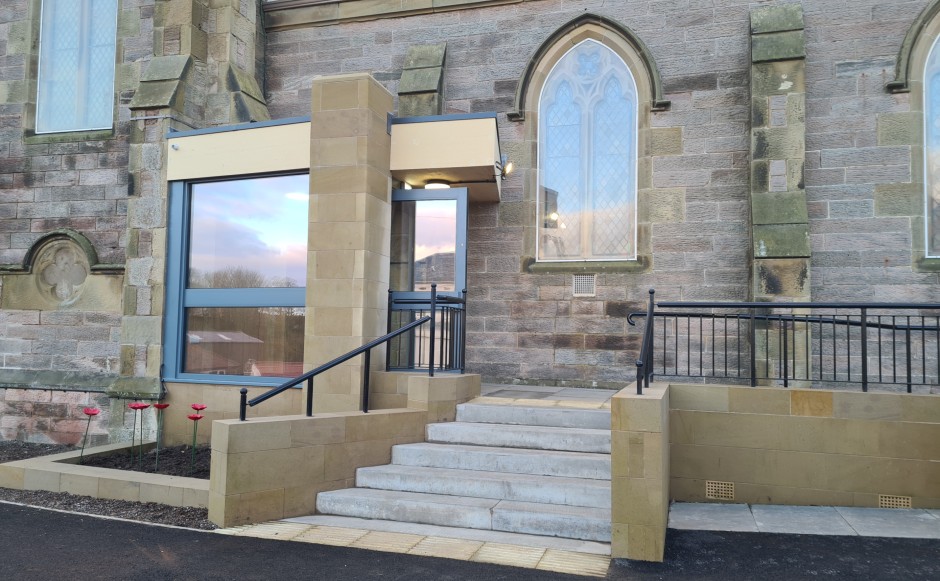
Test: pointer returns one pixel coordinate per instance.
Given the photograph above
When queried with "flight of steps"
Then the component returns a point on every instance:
(511, 468)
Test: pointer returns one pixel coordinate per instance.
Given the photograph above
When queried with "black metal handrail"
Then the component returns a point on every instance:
(842, 347)
(365, 350)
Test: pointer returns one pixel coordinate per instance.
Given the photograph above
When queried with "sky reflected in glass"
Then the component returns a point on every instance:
(249, 233)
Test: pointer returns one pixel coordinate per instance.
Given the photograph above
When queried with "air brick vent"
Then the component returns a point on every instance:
(718, 490)
(584, 285)
(893, 501)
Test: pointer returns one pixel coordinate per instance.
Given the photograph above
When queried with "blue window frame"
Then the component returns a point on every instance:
(236, 279)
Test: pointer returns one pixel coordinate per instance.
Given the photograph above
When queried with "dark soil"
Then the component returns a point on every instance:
(11, 450)
(173, 461)
(194, 518)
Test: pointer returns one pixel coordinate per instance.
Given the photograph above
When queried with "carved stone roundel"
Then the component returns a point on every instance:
(62, 268)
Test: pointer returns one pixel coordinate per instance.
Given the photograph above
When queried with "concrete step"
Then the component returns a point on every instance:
(535, 437)
(479, 484)
(559, 417)
(590, 524)
(508, 460)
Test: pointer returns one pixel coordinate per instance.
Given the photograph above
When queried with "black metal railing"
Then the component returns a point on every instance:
(644, 364)
(365, 351)
(891, 345)
(441, 345)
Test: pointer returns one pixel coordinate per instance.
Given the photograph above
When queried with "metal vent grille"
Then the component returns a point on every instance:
(584, 285)
(719, 490)
(892, 501)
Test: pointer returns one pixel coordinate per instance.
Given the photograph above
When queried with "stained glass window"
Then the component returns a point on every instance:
(932, 150)
(76, 65)
(587, 157)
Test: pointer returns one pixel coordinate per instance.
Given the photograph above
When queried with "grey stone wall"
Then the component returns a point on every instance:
(861, 175)
(858, 177)
(528, 326)
(77, 181)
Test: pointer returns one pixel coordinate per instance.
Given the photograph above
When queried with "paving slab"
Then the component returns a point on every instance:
(706, 516)
(892, 522)
(801, 520)
(485, 536)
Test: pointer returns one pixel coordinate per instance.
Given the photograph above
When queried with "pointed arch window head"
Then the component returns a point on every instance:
(932, 150)
(588, 157)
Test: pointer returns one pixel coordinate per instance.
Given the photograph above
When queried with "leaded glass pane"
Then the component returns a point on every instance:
(76, 65)
(932, 150)
(587, 158)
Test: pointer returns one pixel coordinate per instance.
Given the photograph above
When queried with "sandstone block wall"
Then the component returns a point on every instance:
(858, 163)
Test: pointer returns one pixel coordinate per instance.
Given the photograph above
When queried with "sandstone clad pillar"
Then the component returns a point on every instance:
(350, 218)
(779, 223)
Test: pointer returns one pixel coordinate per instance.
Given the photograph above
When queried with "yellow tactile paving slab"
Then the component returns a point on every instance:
(574, 563)
(447, 548)
(274, 530)
(336, 536)
(387, 542)
(512, 555)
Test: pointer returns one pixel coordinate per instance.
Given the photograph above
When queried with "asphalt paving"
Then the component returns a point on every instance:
(49, 545)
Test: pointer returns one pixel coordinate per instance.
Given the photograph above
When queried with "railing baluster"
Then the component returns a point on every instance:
(753, 333)
(309, 396)
(923, 350)
(388, 329)
(433, 323)
(786, 356)
(907, 337)
(894, 349)
(864, 325)
(366, 372)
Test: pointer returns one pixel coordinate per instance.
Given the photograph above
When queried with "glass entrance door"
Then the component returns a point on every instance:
(429, 246)
(429, 242)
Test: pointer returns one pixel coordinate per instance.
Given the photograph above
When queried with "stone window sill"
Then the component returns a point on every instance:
(640, 265)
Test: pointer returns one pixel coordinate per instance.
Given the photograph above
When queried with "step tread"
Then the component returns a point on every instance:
(503, 451)
(507, 460)
(521, 414)
(484, 475)
(527, 428)
(500, 485)
(521, 436)
(448, 500)
(592, 524)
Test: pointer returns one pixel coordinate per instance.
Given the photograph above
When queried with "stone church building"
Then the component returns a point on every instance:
(200, 195)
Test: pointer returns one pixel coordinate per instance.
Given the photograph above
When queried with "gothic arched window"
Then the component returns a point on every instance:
(932, 150)
(588, 157)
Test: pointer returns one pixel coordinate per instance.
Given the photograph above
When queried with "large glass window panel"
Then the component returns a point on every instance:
(424, 245)
(932, 151)
(267, 341)
(236, 278)
(249, 233)
(587, 158)
(76, 65)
